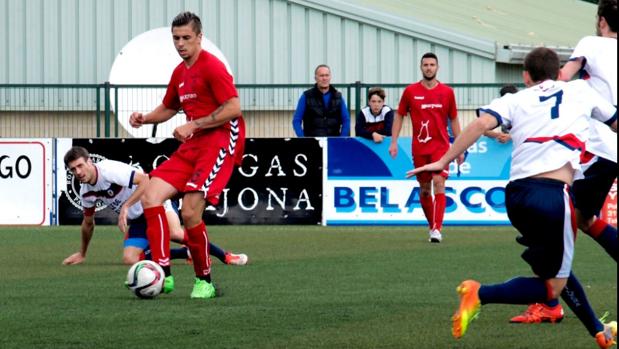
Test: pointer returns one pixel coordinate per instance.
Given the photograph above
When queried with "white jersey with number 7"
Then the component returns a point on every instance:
(549, 124)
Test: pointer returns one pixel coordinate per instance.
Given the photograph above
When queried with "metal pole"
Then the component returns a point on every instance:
(116, 110)
(358, 86)
(98, 111)
(107, 109)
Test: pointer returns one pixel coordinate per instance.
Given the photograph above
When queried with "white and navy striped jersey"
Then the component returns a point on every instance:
(549, 124)
(371, 118)
(113, 187)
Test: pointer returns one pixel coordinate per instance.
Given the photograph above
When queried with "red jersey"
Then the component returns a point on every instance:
(199, 90)
(429, 110)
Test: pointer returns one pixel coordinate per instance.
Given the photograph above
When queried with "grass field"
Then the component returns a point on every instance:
(305, 287)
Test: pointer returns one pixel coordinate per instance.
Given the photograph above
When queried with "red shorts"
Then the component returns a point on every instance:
(204, 164)
(420, 160)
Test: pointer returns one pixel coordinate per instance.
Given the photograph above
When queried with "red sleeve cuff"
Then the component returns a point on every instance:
(89, 211)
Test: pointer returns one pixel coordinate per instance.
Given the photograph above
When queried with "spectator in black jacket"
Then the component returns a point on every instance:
(321, 110)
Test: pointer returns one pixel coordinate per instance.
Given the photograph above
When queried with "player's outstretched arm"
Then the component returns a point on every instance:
(457, 130)
(469, 136)
(87, 228)
(570, 69)
(141, 180)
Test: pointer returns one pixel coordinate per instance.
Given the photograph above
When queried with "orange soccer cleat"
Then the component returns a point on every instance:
(537, 313)
(469, 307)
(607, 338)
(236, 259)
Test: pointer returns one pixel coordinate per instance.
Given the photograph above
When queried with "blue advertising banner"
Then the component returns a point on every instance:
(365, 185)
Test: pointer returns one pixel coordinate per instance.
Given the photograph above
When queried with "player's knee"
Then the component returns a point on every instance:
(555, 287)
(556, 293)
(130, 259)
(585, 224)
(149, 199)
(582, 220)
(191, 216)
(438, 184)
(425, 189)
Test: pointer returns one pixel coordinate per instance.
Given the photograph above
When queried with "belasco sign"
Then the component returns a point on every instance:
(279, 181)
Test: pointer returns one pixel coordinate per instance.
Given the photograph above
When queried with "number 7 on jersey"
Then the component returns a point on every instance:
(554, 111)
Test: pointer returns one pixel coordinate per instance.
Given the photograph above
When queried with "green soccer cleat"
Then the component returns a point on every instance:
(168, 284)
(469, 307)
(203, 289)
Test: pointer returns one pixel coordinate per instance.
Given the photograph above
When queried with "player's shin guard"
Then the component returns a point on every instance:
(605, 235)
(198, 246)
(427, 204)
(158, 235)
(440, 201)
(574, 296)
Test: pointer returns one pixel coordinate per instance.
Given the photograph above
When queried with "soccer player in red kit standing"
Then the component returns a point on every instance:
(212, 143)
(430, 105)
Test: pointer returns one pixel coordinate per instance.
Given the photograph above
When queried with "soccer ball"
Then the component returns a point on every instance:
(145, 279)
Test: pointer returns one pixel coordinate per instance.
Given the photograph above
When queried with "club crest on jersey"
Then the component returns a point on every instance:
(424, 132)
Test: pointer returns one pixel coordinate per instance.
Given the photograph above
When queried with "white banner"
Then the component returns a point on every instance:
(25, 181)
(398, 202)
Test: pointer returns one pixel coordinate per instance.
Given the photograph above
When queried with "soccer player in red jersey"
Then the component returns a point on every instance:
(212, 143)
(430, 105)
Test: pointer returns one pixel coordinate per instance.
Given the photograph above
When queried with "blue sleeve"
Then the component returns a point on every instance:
(450, 131)
(345, 120)
(297, 119)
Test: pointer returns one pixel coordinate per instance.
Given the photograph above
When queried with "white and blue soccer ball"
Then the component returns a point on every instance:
(145, 279)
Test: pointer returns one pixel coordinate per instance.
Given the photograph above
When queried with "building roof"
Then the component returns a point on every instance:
(483, 27)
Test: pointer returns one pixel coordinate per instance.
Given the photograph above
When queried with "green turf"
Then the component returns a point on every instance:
(305, 287)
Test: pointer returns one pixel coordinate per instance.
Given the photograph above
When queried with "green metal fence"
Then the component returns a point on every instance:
(102, 110)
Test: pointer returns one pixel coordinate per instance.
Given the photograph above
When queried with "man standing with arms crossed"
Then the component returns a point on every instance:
(430, 105)
(213, 140)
